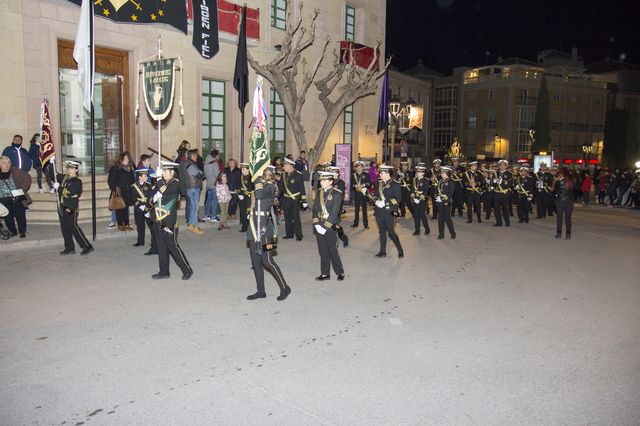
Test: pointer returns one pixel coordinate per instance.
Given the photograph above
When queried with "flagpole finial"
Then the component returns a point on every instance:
(159, 45)
(259, 81)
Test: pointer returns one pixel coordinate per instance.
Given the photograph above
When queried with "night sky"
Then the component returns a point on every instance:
(451, 33)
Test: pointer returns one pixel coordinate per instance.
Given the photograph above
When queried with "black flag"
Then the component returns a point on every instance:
(241, 73)
(205, 28)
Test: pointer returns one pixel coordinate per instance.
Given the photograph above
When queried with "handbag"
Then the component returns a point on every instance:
(116, 202)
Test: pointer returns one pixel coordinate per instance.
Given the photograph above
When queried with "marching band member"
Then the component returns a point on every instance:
(434, 177)
(69, 190)
(326, 214)
(341, 185)
(404, 180)
(387, 199)
(502, 185)
(419, 196)
(141, 191)
(544, 191)
(292, 189)
(244, 195)
(444, 196)
(457, 174)
(473, 183)
(525, 187)
(360, 185)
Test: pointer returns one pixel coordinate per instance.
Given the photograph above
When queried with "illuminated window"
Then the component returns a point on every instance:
(278, 124)
(279, 14)
(213, 116)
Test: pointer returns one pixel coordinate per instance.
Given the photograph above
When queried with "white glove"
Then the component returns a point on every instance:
(438, 199)
(142, 207)
(320, 230)
(364, 191)
(517, 187)
(56, 185)
(147, 215)
(380, 204)
(240, 197)
(305, 205)
(416, 201)
(157, 197)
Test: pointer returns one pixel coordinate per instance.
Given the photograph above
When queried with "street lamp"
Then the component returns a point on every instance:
(637, 164)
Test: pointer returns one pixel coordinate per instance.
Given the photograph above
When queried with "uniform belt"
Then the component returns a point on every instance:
(292, 196)
(262, 213)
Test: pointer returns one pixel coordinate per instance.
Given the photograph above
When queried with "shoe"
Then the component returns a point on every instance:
(111, 225)
(129, 228)
(521, 221)
(149, 253)
(287, 237)
(507, 224)
(220, 228)
(497, 224)
(526, 221)
(479, 220)
(86, 251)
(40, 190)
(52, 191)
(381, 254)
(323, 277)
(298, 237)
(469, 221)
(200, 220)
(284, 293)
(400, 253)
(354, 225)
(440, 237)
(160, 276)
(214, 219)
(558, 236)
(242, 230)
(568, 237)
(416, 233)
(340, 277)
(453, 236)
(66, 252)
(427, 231)
(366, 227)
(196, 230)
(257, 295)
(345, 241)
(189, 226)
(187, 275)
(121, 228)
(138, 244)
(22, 235)
(225, 227)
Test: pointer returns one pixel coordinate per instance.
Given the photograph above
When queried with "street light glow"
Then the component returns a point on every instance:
(637, 164)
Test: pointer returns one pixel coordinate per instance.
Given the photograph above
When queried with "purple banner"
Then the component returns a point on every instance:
(343, 162)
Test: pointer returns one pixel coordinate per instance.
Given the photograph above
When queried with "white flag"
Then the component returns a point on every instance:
(83, 52)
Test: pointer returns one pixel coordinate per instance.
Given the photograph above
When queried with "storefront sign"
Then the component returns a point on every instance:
(158, 78)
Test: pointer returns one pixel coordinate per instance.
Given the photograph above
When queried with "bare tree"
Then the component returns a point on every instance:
(341, 87)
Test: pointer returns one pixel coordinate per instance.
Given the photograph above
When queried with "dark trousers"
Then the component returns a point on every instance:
(550, 203)
(233, 204)
(420, 215)
(16, 214)
(141, 221)
(524, 207)
(291, 217)
(360, 201)
(564, 210)
(434, 214)
(122, 216)
(405, 202)
(458, 199)
(512, 199)
(262, 261)
(541, 204)
(243, 207)
(328, 250)
(71, 230)
(601, 195)
(444, 216)
(168, 245)
(487, 200)
(501, 208)
(473, 203)
(386, 225)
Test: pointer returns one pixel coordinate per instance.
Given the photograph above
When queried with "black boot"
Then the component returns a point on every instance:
(284, 293)
(257, 295)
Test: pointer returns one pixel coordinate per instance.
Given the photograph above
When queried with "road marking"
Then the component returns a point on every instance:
(602, 236)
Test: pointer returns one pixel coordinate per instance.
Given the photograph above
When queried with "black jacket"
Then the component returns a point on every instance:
(69, 192)
(166, 210)
(331, 199)
(391, 194)
(121, 178)
(233, 178)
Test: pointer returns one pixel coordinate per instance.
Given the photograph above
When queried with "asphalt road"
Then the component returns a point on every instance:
(500, 326)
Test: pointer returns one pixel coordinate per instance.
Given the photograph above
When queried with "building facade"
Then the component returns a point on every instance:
(38, 38)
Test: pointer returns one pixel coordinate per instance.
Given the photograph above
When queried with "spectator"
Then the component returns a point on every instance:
(34, 154)
(145, 163)
(373, 176)
(121, 177)
(182, 150)
(612, 188)
(211, 171)
(603, 183)
(621, 186)
(302, 165)
(635, 190)
(14, 187)
(233, 181)
(193, 186)
(563, 190)
(586, 189)
(224, 197)
(18, 156)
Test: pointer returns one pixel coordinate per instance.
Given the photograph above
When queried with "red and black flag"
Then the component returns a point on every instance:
(47, 149)
(170, 12)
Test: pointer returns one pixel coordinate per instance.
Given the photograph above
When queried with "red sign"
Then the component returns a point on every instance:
(567, 161)
(596, 161)
(523, 160)
(556, 161)
(362, 55)
(229, 18)
(579, 161)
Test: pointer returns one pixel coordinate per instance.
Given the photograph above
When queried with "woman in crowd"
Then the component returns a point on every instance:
(14, 185)
(586, 188)
(182, 150)
(34, 153)
(373, 176)
(224, 197)
(121, 177)
(563, 189)
(603, 183)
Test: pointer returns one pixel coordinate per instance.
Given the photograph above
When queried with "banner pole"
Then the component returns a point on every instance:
(92, 132)
(159, 142)
(242, 135)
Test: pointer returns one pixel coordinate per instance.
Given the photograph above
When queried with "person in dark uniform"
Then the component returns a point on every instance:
(69, 189)
(326, 214)
(434, 177)
(419, 197)
(487, 197)
(141, 193)
(473, 182)
(502, 184)
(444, 194)
(457, 175)
(525, 188)
(544, 191)
(244, 195)
(360, 185)
(262, 236)
(387, 199)
(164, 215)
(341, 185)
(404, 180)
(292, 189)
(563, 185)
(513, 197)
